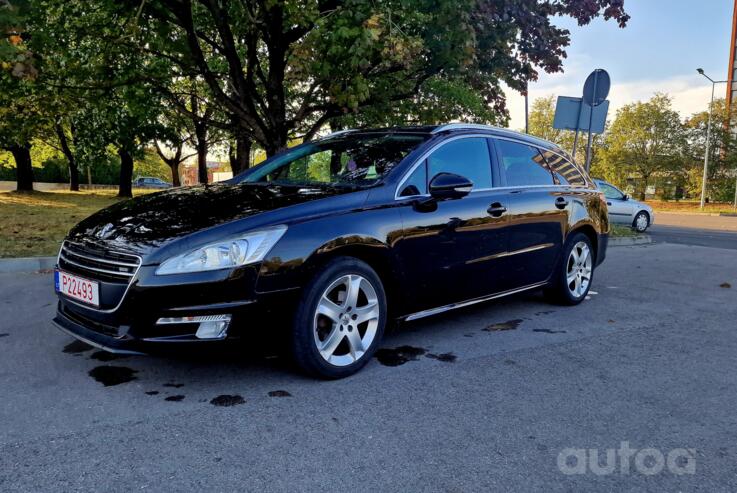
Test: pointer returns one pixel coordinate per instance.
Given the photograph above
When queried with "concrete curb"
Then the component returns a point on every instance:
(688, 213)
(28, 264)
(630, 240)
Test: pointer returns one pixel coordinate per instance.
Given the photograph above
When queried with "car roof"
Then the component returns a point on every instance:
(451, 128)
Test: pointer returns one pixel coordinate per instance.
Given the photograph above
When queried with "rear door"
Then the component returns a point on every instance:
(538, 212)
(451, 249)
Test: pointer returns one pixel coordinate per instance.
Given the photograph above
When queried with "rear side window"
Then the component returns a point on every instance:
(565, 172)
(466, 157)
(523, 164)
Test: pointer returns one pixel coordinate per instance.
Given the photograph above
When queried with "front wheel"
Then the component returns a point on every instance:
(572, 279)
(340, 319)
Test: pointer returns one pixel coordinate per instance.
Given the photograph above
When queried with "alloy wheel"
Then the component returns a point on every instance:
(346, 319)
(578, 272)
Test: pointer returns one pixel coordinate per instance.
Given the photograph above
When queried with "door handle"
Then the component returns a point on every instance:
(496, 209)
(561, 202)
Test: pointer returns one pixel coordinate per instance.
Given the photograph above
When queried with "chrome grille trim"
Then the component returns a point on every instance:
(100, 260)
(95, 269)
(128, 279)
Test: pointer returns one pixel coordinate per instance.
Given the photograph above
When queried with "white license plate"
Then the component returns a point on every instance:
(77, 287)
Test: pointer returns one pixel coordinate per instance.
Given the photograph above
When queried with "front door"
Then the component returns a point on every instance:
(620, 209)
(451, 249)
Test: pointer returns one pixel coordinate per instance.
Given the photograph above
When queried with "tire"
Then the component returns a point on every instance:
(641, 222)
(329, 340)
(578, 268)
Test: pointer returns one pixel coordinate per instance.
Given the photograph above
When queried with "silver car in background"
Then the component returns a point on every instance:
(625, 210)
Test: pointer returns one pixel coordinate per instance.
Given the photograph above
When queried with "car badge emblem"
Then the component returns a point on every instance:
(104, 232)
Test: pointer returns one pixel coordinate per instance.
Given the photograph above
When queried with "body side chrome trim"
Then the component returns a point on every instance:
(453, 306)
(509, 254)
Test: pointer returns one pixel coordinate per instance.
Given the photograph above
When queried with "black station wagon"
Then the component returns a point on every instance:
(333, 239)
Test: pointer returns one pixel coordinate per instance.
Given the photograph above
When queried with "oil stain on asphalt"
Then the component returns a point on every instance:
(76, 347)
(152, 392)
(112, 375)
(508, 325)
(444, 357)
(399, 355)
(4, 334)
(549, 331)
(226, 400)
(174, 385)
(175, 398)
(279, 393)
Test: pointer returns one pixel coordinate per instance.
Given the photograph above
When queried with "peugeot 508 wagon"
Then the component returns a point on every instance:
(331, 240)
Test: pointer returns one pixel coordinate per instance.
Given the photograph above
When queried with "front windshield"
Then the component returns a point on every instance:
(360, 160)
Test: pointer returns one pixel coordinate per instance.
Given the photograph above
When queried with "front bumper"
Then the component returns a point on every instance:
(131, 327)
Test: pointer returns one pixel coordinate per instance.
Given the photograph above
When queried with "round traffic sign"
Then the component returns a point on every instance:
(596, 88)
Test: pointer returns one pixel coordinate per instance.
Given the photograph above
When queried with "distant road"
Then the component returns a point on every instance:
(692, 229)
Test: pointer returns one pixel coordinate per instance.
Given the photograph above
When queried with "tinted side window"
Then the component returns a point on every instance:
(610, 192)
(465, 157)
(416, 184)
(565, 171)
(523, 164)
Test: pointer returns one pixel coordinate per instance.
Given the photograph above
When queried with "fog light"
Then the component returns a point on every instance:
(210, 326)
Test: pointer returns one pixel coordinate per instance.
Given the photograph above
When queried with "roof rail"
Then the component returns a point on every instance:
(339, 132)
(455, 126)
(499, 130)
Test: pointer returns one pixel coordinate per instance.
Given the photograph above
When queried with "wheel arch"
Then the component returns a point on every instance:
(369, 250)
(590, 232)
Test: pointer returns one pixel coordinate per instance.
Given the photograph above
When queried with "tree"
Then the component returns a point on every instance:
(283, 69)
(21, 104)
(722, 171)
(645, 138)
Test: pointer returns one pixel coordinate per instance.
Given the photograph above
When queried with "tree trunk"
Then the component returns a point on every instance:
(174, 165)
(67, 151)
(645, 179)
(126, 173)
(24, 167)
(201, 147)
(240, 157)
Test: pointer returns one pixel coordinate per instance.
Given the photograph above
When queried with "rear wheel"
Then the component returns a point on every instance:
(641, 222)
(572, 280)
(340, 320)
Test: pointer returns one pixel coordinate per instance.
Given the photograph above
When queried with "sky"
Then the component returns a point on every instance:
(663, 44)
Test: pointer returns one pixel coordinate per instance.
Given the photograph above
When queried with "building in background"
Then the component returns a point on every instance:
(216, 171)
(732, 76)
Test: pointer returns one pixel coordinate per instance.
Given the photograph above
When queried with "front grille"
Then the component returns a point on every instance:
(98, 263)
(104, 329)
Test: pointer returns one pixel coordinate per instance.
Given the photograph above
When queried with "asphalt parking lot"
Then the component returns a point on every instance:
(487, 397)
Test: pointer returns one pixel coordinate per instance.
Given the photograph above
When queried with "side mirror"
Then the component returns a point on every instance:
(625, 197)
(446, 186)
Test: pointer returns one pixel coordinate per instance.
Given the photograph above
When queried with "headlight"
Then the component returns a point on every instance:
(241, 250)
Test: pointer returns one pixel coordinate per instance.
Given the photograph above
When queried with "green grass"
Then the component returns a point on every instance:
(617, 231)
(34, 224)
(690, 206)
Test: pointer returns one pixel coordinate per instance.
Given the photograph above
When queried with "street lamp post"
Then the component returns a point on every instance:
(708, 134)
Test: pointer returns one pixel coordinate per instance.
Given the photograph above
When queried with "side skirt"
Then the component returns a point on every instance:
(461, 304)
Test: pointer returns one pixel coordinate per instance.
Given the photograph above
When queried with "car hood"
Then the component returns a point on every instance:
(149, 221)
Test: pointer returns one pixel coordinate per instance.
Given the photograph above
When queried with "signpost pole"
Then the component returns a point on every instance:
(591, 118)
(575, 136)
